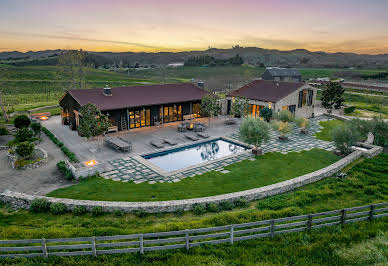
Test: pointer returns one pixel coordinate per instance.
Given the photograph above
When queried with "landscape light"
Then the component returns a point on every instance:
(43, 118)
(90, 163)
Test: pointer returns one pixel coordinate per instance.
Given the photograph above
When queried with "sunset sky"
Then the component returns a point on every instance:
(359, 26)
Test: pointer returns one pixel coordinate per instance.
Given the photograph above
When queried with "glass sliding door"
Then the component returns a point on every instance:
(148, 117)
(171, 113)
(165, 113)
(142, 118)
(131, 119)
(137, 118)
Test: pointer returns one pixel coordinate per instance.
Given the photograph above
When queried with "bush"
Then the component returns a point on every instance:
(23, 135)
(212, 207)
(40, 205)
(380, 131)
(3, 131)
(118, 213)
(140, 214)
(283, 127)
(36, 127)
(78, 210)
(302, 122)
(97, 211)
(64, 170)
(199, 208)
(266, 113)
(285, 116)
(226, 205)
(254, 131)
(241, 203)
(349, 110)
(344, 138)
(64, 149)
(22, 121)
(58, 208)
(25, 149)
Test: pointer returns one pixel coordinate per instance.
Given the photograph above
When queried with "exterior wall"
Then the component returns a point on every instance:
(68, 104)
(292, 99)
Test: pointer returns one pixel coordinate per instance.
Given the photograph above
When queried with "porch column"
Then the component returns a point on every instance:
(162, 114)
(191, 111)
(128, 119)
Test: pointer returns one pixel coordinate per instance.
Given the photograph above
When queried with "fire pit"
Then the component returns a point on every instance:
(191, 126)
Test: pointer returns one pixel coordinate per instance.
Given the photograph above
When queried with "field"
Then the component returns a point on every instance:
(356, 244)
(267, 169)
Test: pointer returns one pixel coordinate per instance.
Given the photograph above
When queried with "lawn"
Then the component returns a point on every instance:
(325, 133)
(265, 170)
(360, 243)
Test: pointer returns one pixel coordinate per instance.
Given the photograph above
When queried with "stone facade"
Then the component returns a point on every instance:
(21, 200)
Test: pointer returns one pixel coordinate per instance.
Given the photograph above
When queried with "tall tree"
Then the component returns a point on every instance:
(72, 68)
(210, 105)
(92, 121)
(333, 95)
(240, 106)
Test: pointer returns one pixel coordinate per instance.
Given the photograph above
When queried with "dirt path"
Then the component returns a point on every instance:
(37, 181)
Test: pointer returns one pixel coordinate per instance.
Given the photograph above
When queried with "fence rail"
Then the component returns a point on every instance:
(187, 238)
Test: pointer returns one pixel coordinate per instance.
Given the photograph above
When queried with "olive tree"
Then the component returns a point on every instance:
(344, 138)
(255, 132)
(92, 122)
(210, 106)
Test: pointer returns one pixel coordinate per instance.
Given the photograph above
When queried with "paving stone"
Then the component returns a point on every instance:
(225, 171)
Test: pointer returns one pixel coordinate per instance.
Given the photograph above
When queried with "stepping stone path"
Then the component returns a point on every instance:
(129, 169)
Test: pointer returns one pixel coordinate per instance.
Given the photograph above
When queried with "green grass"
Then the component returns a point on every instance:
(325, 133)
(267, 169)
(354, 244)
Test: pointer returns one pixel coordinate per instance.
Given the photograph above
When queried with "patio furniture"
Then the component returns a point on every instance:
(230, 121)
(170, 142)
(199, 127)
(157, 143)
(203, 135)
(191, 137)
(183, 126)
(112, 129)
(118, 144)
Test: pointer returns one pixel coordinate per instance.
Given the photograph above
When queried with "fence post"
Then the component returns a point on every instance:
(309, 222)
(343, 216)
(372, 210)
(141, 244)
(272, 228)
(44, 247)
(94, 246)
(187, 239)
(231, 234)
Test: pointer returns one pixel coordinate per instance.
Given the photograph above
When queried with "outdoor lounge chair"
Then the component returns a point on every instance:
(157, 143)
(183, 126)
(170, 142)
(191, 137)
(118, 143)
(203, 135)
(199, 127)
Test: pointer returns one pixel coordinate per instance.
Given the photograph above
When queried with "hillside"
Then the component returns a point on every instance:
(251, 55)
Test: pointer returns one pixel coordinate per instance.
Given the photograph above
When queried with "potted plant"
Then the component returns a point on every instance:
(283, 127)
(303, 124)
(254, 131)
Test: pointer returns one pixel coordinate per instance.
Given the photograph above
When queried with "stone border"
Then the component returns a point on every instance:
(22, 200)
(37, 164)
(4, 148)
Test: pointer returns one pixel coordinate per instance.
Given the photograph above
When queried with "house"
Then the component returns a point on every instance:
(282, 74)
(297, 97)
(135, 106)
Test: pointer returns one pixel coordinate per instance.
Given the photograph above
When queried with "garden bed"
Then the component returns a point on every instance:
(38, 159)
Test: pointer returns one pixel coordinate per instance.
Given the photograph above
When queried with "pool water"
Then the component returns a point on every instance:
(191, 155)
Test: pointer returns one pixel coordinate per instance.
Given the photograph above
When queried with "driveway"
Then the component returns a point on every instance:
(37, 181)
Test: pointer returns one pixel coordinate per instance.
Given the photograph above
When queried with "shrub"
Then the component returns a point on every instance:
(22, 121)
(199, 208)
(212, 207)
(241, 203)
(266, 113)
(78, 210)
(24, 134)
(179, 212)
(36, 127)
(58, 208)
(380, 131)
(40, 205)
(349, 110)
(283, 127)
(302, 122)
(140, 214)
(25, 149)
(97, 211)
(285, 116)
(344, 138)
(64, 149)
(226, 205)
(3, 131)
(61, 165)
(118, 213)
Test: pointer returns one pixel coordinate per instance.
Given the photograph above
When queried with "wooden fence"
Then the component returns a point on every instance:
(187, 238)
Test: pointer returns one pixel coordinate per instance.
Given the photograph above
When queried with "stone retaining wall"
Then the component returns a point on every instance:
(21, 200)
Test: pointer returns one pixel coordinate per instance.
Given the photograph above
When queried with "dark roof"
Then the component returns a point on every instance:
(267, 90)
(283, 72)
(125, 97)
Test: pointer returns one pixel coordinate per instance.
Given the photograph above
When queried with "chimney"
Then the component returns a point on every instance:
(277, 84)
(201, 84)
(107, 91)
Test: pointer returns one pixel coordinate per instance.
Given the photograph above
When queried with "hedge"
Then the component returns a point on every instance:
(349, 110)
(63, 148)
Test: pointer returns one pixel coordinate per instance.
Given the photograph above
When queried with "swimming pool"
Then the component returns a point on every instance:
(191, 155)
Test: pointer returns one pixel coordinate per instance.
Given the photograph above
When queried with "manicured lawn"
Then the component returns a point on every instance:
(325, 133)
(360, 243)
(268, 169)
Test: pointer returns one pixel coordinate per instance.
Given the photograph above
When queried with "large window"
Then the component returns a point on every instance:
(171, 113)
(305, 98)
(197, 110)
(254, 110)
(139, 118)
(310, 99)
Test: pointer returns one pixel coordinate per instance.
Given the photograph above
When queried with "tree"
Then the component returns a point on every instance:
(72, 68)
(240, 106)
(210, 105)
(254, 131)
(285, 116)
(92, 122)
(24, 134)
(333, 95)
(36, 127)
(344, 138)
(266, 113)
(22, 121)
(25, 149)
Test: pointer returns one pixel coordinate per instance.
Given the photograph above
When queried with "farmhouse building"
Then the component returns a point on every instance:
(135, 106)
(282, 74)
(297, 97)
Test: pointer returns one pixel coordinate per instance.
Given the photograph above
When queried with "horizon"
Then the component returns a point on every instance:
(349, 26)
